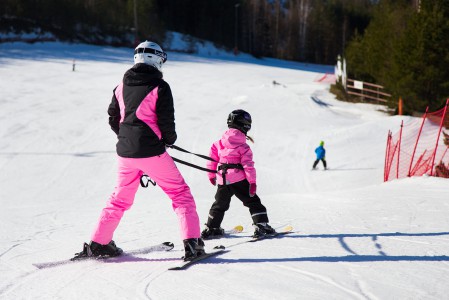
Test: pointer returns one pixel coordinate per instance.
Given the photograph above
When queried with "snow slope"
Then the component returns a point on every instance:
(355, 236)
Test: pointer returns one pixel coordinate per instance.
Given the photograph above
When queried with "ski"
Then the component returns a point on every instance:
(166, 246)
(221, 249)
(235, 230)
(186, 264)
(280, 232)
(284, 231)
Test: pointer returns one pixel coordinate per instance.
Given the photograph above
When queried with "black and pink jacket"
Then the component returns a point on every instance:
(141, 113)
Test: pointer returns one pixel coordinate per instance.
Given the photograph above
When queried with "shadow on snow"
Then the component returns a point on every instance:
(347, 258)
(353, 257)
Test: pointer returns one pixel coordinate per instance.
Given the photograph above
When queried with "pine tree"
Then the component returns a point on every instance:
(422, 68)
(405, 49)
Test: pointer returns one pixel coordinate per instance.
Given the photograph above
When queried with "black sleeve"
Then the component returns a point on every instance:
(114, 114)
(166, 114)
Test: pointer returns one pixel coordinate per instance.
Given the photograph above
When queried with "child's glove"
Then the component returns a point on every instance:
(213, 181)
(252, 189)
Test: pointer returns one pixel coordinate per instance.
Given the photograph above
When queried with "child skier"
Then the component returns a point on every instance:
(237, 176)
(320, 155)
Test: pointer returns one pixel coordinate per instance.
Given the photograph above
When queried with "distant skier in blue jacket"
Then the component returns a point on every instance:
(320, 155)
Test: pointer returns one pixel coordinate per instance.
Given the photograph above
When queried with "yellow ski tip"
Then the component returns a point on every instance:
(238, 228)
(288, 228)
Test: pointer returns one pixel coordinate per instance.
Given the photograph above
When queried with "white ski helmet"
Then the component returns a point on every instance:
(151, 54)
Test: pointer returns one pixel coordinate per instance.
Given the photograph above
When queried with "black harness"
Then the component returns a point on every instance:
(223, 167)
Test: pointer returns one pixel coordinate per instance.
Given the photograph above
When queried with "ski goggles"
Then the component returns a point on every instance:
(161, 54)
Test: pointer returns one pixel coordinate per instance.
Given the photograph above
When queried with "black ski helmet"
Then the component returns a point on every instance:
(240, 119)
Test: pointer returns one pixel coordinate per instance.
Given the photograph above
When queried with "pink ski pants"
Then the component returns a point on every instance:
(164, 172)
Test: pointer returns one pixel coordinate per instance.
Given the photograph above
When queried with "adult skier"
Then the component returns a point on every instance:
(141, 113)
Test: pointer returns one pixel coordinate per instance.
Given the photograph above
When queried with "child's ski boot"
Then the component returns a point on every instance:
(262, 229)
(209, 233)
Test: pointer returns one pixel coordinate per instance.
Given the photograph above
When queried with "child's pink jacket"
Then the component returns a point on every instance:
(233, 149)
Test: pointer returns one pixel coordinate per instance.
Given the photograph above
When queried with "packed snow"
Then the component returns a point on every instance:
(355, 237)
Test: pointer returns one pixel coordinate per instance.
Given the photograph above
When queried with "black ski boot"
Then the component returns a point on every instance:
(262, 229)
(95, 249)
(106, 250)
(193, 248)
(209, 233)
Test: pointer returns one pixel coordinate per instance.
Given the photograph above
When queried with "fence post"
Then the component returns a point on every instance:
(438, 138)
(416, 144)
(400, 106)
(387, 156)
(399, 150)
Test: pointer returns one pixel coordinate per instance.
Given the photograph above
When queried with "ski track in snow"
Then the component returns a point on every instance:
(326, 280)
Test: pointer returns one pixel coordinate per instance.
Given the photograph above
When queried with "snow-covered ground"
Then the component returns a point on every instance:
(355, 236)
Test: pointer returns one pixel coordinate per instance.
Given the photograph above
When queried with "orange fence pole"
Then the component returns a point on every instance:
(400, 111)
